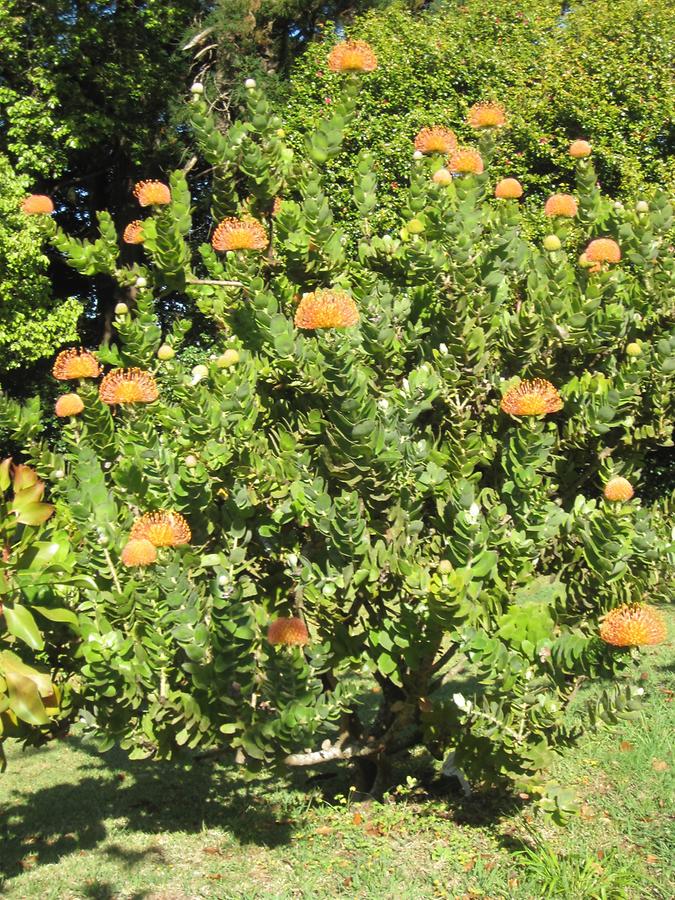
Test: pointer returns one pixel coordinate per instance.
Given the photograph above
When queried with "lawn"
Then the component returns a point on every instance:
(76, 824)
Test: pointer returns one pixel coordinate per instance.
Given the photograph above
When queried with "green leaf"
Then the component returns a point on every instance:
(21, 624)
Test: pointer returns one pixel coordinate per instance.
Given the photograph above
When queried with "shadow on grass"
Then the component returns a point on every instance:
(41, 827)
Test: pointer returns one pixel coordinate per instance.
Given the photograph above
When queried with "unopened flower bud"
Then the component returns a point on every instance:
(642, 206)
(418, 154)
(227, 359)
(141, 282)
(250, 84)
(191, 461)
(442, 176)
(200, 372)
(165, 352)
(121, 309)
(280, 133)
(197, 88)
(618, 204)
(634, 349)
(415, 226)
(445, 567)
(552, 243)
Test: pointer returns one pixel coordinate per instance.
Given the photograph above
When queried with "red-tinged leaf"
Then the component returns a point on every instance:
(23, 477)
(24, 699)
(600, 854)
(626, 746)
(33, 513)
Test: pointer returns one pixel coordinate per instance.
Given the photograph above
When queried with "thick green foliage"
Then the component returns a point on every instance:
(32, 323)
(35, 567)
(365, 479)
(601, 71)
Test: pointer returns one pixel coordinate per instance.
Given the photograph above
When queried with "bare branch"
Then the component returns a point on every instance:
(215, 281)
(315, 757)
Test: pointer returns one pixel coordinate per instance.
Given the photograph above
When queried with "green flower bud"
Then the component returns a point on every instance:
(121, 309)
(445, 567)
(227, 359)
(642, 206)
(415, 226)
(250, 84)
(200, 372)
(552, 243)
(634, 349)
(191, 461)
(165, 352)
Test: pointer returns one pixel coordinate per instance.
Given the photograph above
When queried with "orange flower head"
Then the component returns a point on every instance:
(162, 529)
(509, 189)
(618, 489)
(291, 631)
(75, 363)
(487, 115)
(68, 405)
(239, 234)
(633, 625)
(37, 205)
(532, 398)
(152, 193)
(580, 149)
(139, 552)
(436, 140)
(601, 252)
(326, 309)
(133, 233)
(561, 205)
(121, 386)
(352, 56)
(466, 161)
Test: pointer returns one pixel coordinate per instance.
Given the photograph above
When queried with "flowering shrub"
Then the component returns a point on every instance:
(393, 465)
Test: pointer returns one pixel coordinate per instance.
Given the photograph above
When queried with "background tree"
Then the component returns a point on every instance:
(32, 323)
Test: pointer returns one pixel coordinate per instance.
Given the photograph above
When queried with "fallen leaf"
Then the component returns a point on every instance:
(214, 876)
(626, 746)
(660, 765)
(373, 830)
(650, 859)
(347, 882)
(468, 866)
(600, 854)
(213, 851)
(324, 829)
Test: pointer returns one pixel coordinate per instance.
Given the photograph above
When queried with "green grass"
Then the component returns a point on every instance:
(75, 824)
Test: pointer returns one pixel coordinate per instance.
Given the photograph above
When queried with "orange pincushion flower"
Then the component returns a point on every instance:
(138, 552)
(128, 386)
(466, 161)
(436, 140)
(75, 363)
(352, 56)
(162, 529)
(632, 625)
(239, 234)
(509, 189)
(486, 115)
(152, 193)
(133, 233)
(37, 205)
(532, 398)
(602, 252)
(618, 489)
(288, 631)
(68, 405)
(561, 205)
(579, 149)
(326, 309)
